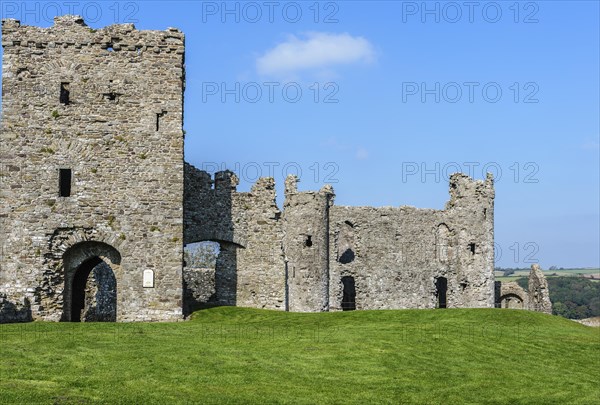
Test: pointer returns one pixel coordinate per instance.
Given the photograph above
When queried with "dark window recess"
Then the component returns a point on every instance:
(158, 119)
(64, 182)
(349, 294)
(472, 248)
(485, 213)
(308, 242)
(347, 256)
(441, 288)
(65, 94)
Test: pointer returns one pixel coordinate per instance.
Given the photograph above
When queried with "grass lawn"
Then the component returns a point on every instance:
(237, 356)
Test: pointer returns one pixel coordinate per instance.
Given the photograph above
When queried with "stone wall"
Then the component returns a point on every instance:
(250, 268)
(198, 289)
(539, 296)
(306, 247)
(301, 259)
(511, 295)
(94, 187)
(18, 310)
(536, 298)
(396, 255)
(107, 105)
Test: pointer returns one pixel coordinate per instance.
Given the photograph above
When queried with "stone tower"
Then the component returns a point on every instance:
(471, 211)
(306, 247)
(91, 203)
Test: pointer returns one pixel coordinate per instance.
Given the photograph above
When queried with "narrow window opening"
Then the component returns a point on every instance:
(485, 213)
(110, 48)
(64, 93)
(64, 182)
(22, 72)
(308, 242)
(472, 248)
(159, 119)
(112, 96)
(441, 288)
(349, 294)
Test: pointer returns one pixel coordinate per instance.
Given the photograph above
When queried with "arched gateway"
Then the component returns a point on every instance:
(90, 274)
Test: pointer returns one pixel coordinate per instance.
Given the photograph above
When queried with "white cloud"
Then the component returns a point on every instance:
(362, 154)
(591, 144)
(318, 50)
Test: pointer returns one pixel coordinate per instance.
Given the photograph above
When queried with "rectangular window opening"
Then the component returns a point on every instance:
(158, 117)
(472, 248)
(65, 93)
(64, 182)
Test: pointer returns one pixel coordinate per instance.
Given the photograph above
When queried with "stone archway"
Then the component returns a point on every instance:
(90, 277)
(512, 301)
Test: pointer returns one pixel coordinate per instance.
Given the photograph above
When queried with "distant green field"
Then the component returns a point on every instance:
(499, 275)
(241, 356)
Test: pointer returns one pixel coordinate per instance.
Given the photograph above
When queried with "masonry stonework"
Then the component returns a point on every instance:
(535, 298)
(97, 204)
(92, 157)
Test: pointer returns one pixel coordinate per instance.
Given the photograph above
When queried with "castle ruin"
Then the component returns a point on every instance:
(97, 204)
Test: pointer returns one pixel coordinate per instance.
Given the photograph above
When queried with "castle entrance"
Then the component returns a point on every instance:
(94, 293)
(90, 293)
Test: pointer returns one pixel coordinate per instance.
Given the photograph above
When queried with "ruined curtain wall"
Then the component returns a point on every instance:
(250, 268)
(395, 255)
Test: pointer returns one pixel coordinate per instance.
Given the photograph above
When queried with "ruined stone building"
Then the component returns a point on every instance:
(96, 204)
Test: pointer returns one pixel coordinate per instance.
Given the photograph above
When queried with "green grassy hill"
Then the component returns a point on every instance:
(235, 356)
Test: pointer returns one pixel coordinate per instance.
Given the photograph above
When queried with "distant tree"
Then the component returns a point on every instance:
(572, 297)
(508, 272)
(553, 268)
(201, 255)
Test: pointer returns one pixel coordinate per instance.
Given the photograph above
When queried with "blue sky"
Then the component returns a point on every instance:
(395, 96)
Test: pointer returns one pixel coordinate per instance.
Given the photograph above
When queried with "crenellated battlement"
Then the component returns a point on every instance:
(70, 31)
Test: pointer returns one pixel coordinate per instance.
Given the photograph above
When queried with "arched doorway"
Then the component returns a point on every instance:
(90, 293)
(94, 292)
(512, 301)
(348, 294)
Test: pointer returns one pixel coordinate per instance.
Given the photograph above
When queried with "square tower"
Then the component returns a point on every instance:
(91, 155)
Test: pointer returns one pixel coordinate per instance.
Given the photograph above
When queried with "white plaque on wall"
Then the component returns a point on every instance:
(148, 279)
